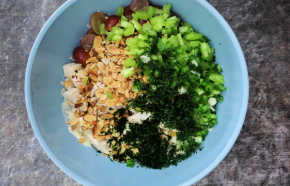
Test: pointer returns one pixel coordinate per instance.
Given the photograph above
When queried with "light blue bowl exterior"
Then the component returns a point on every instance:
(54, 46)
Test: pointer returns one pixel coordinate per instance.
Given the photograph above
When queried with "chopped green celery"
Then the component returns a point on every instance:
(129, 27)
(161, 44)
(168, 44)
(183, 58)
(110, 36)
(117, 38)
(158, 11)
(217, 78)
(180, 39)
(103, 30)
(154, 57)
(132, 42)
(116, 34)
(206, 51)
(194, 44)
(85, 80)
(137, 45)
(151, 11)
(127, 72)
(140, 14)
(173, 21)
(157, 22)
(109, 95)
(166, 10)
(144, 14)
(185, 28)
(147, 29)
(142, 37)
(172, 42)
(120, 11)
(129, 30)
(129, 62)
(137, 42)
(117, 30)
(193, 36)
(171, 25)
(124, 23)
(136, 24)
(124, 18)
(136, 52)
(130, 163)
(143, 44)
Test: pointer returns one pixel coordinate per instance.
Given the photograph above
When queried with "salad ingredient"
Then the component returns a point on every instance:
(128, 12)
(130, 163)
(129, 63)
(138, 4)
(146, 87)
(111, 22)
(120, 11)
(80, 55)
(87, 41)
(96, 22)
(127, 72)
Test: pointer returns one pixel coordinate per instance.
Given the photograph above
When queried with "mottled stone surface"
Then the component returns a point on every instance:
(261, 155)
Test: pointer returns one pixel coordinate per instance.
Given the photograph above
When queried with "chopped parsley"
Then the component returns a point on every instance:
(109, 95)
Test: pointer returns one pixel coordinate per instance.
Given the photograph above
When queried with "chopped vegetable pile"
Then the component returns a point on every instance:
(176, 81)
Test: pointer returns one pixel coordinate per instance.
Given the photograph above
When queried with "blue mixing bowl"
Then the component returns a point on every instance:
(54, 46)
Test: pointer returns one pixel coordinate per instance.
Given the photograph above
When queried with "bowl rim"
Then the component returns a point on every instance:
(195, 178)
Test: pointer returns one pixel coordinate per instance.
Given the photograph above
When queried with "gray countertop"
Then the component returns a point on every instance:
(261, 155)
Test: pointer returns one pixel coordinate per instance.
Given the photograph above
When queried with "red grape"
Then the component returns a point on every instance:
(80, 55)
(111, 22)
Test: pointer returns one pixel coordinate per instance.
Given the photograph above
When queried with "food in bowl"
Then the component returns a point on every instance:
(143, 87)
